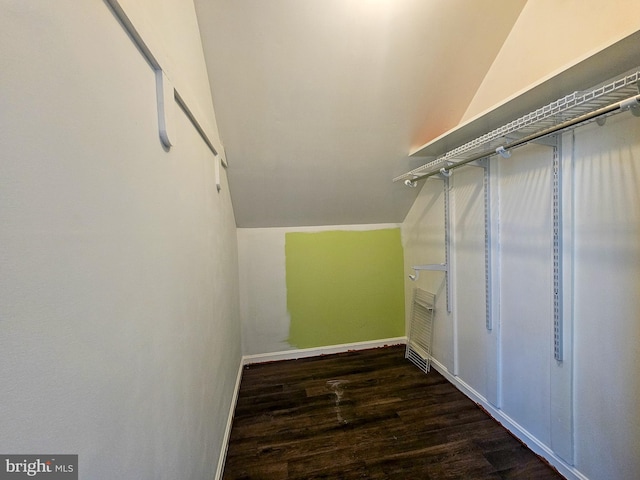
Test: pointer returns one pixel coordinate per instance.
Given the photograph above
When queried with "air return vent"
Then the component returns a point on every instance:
(420, 329)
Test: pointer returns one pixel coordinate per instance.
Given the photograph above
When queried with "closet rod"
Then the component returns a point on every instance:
(631, 102)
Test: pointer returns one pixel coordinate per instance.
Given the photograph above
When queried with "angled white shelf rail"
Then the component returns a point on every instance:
(613, 96)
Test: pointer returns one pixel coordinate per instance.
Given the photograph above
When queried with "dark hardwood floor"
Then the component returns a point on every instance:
(367, 415)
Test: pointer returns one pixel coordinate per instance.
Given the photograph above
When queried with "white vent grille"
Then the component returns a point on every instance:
(420, 329)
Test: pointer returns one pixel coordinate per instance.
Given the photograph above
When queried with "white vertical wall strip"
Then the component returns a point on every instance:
(494, 363)
(468, 278)
(450, 249)
(562, 372)
(526, 287)
(606, 298)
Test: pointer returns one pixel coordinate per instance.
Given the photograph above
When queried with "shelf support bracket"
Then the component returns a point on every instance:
(487, 242)
(447, 240)
(557, 251)
(503, 152)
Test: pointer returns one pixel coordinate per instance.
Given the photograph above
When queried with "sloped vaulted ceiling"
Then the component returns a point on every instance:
(318, 102)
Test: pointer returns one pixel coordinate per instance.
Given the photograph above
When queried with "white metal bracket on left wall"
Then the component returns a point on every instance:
(165, 97)
(167, 94)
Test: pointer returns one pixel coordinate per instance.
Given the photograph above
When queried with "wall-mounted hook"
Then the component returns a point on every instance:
(502, 152)
(444, 172)
(166, 109)
(217, 163)
(415, 276)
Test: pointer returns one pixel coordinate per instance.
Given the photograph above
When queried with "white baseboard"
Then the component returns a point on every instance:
(227, 430)
(317, 351)
(507, 422)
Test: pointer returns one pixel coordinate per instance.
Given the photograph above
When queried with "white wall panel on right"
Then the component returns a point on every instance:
(607, 298)
(475, 345)
(549, 37)
(526, 287)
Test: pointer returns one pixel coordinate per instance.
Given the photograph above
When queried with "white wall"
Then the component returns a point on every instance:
(263, 288)
(423, 243)
(607, 298)
(526, 285)
(118, 295)
(581, 413)
(475, 347)
(549, 37)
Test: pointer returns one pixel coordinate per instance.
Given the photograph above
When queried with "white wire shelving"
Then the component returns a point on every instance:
(612, 96)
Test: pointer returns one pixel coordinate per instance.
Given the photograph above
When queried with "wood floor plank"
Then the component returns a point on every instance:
(366, 415)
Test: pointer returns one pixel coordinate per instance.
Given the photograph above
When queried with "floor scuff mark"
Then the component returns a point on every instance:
(336, 386)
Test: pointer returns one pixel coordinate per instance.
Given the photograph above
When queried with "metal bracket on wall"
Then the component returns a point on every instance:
(487, 241)
(557, 251)
(447, 240)
(555, 142)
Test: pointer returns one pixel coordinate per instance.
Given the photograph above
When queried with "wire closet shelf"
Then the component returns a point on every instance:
(569, 111)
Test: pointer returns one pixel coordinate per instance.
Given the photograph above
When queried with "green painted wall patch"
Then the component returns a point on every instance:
(344, 286)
